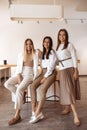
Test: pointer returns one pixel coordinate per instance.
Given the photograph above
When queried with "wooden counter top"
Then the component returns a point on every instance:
(8, 65)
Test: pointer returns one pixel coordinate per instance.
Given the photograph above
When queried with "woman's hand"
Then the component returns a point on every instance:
(75, 75)
(43, 80)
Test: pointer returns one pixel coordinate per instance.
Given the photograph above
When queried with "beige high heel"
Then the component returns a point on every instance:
(77, 123)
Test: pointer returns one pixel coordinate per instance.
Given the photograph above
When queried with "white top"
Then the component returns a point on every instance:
(49, 63)
(69, 52)
(20, 64)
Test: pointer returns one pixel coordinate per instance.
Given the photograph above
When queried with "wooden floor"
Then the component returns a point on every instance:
(52, 110)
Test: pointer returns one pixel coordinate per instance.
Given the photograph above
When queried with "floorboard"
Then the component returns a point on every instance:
(52, 110)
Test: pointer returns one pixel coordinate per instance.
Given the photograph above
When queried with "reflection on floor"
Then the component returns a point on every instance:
(52, 110)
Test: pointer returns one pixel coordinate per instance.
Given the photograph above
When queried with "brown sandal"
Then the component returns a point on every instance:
(14, 120)
(65, 112)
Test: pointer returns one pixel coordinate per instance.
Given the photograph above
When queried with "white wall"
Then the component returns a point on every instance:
(13, 35)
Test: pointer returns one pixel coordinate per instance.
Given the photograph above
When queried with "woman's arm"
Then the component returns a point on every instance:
(75, 62)
(39, 53)
(73, 55)
(50, 67)
(76, 75)
(52, 64)
(19, 64)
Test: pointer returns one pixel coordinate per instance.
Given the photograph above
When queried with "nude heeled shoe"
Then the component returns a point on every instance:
(77, 123)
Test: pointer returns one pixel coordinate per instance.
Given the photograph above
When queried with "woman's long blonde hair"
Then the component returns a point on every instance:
(25, 54)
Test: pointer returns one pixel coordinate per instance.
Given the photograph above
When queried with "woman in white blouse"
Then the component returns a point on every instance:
(45, 80)
(27, 65)
(69, 79)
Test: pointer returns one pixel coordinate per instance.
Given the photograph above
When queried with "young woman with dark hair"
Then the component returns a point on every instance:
(69, 78)
(44, 81)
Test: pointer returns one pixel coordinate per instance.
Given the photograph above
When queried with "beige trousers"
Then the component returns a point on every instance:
(18, 90)
(43, 87)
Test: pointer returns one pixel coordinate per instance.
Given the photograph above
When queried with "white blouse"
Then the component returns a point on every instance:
(63, 55)
(20, 64)
(49, 63)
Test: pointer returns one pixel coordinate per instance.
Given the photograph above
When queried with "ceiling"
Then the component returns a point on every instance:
(72, 9)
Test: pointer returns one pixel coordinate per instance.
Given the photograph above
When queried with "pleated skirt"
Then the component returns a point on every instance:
(69, 87)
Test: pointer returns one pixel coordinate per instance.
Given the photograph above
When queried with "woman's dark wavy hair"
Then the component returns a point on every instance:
(50, 47)
(66, 40)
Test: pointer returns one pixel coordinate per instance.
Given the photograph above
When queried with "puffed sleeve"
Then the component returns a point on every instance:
(52, 63)
(73, 54)
(19, 64)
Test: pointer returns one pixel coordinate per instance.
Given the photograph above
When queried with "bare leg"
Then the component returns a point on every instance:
(76, 119)
(17, 113)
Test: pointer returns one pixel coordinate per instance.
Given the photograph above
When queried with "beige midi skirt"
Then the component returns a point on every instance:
(69, 87)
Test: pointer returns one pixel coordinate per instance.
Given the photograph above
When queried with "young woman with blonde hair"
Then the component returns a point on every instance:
(26, 72)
